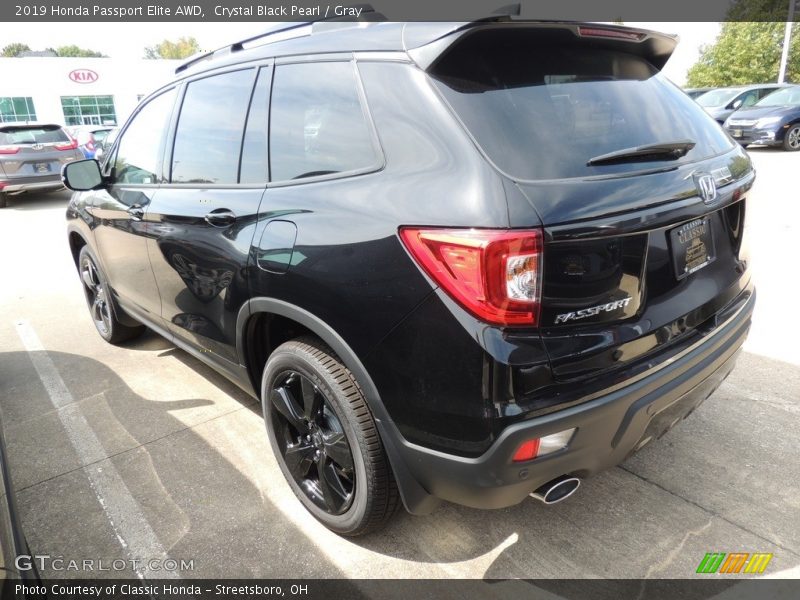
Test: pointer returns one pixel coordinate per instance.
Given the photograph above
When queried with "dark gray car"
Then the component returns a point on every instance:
(31, 157)
(721, 103)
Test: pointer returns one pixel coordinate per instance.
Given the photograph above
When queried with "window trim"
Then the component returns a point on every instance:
(380, 157)
(108, 166)
(169, 154)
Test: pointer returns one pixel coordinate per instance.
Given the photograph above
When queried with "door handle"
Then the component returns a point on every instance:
(221, 217)
(136, 212)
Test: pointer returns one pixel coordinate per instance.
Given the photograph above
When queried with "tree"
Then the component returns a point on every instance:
(745, 53)
(76, 51)
(748, 47)
(183, 48)
(15, 49)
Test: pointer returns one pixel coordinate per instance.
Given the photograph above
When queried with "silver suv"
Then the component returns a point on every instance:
(31, 157)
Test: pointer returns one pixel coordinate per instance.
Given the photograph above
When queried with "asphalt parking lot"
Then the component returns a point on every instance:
(142, 452)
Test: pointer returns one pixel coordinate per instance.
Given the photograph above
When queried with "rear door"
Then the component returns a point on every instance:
(202, 221)
(642, 248)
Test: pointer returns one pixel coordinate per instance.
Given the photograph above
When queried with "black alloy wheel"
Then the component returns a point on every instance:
(100, 302)
(325, 439)
(313, 444)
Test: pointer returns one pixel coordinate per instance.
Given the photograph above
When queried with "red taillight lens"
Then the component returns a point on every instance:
(71, 145)
(527, 451)
(9, 149)
(494, 273)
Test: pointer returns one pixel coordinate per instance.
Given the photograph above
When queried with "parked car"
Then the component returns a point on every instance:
(460, 264)
(774, 121)
(694, 93)
(89, 137)
(102, 145)
(722, 102)
(31, 157)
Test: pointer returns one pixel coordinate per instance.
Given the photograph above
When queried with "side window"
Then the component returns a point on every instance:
(210, 129)
(317, 125)
(255, 168)
(138, 155)
(749, 99)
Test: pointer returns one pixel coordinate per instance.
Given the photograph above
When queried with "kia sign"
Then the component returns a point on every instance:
(83, 76)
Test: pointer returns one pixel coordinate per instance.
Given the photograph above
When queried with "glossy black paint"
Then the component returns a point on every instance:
(226, 270)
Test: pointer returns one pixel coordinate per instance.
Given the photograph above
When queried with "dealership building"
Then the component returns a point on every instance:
(77, 91)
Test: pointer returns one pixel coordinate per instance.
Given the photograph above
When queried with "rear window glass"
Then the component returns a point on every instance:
(33, 135)
(542, 106)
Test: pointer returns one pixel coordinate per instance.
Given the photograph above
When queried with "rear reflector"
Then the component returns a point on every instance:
(493, 273)
(9, 149)
(533, 448)
(527, 451)
(610, 33)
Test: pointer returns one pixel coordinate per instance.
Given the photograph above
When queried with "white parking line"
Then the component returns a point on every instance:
(132, 529)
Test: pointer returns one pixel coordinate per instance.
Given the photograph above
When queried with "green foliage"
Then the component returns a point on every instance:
(748, 47)
(183, 48)
(15, 49)
(76, 51)
(746, 53)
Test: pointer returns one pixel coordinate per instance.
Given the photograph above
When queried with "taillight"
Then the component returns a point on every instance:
(71, 145)
(495, 274)
(9, 149)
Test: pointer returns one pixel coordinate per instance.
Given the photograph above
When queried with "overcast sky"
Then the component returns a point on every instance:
(128, 40)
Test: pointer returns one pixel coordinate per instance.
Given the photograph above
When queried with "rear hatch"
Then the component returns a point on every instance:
(640, 193)
(34, 150)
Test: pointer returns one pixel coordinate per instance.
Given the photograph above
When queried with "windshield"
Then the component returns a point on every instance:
(785, 97)
(717, 97)
(541, 110)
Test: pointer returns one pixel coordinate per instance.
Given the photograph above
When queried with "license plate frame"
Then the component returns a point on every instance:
(41, 167)
(693, 246)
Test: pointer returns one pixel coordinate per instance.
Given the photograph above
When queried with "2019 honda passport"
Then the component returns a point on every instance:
(464, 262)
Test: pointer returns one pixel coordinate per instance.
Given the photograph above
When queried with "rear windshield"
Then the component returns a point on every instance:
(542, 108)
(32, 135)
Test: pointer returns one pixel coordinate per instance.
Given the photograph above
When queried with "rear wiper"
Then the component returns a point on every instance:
(662, 151)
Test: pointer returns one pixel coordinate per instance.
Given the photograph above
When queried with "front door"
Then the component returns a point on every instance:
(202, 221)
(121, 232)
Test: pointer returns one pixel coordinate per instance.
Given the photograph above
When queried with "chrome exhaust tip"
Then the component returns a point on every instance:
(557, 490)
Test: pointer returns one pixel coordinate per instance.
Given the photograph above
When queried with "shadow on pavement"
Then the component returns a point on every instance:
(197, 501)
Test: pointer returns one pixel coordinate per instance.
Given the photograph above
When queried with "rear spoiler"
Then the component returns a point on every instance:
(654, 47)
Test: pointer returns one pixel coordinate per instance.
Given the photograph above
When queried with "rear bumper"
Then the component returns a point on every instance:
(608, 428)
(27, 184)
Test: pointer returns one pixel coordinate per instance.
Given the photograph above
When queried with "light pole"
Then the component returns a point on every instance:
(787, 38)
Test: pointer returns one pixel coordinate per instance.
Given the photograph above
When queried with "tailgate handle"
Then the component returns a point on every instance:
(221, 217)
(136, 212)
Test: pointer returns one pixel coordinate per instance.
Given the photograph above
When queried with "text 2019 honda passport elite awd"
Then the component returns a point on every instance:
(462, 262)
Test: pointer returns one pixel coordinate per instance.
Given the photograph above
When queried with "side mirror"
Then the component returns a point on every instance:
(736, 104)
(82, 175)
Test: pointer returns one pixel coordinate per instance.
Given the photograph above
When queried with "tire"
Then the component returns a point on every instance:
(791, 141)
(315, 412)
(3, 200)
(102, 307)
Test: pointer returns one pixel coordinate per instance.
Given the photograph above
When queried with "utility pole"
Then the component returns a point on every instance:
(787, 38)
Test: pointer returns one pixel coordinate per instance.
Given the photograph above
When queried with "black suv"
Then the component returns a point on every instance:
(467, 262)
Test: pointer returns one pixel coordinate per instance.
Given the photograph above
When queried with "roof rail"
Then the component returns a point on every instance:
(367, 13)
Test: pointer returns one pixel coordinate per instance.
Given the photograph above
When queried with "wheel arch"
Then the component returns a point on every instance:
(415, 498)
